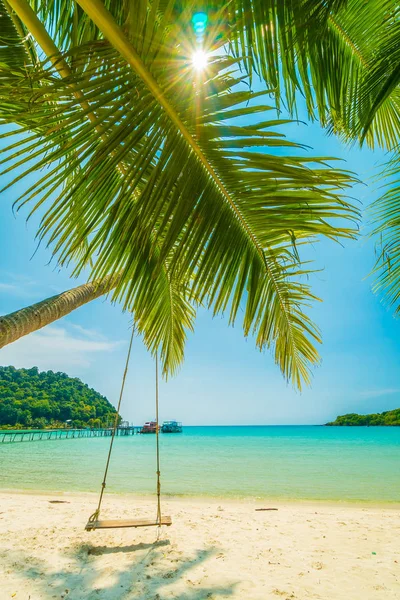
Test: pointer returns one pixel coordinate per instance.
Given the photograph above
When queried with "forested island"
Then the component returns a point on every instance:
(389, 418)
(33, 399)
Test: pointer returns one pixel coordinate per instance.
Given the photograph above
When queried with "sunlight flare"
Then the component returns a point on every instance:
(199, 60)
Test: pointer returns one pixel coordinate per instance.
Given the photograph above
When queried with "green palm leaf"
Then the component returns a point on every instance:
(385, 213)
(381, 86)
(161, 171)
(13, 51)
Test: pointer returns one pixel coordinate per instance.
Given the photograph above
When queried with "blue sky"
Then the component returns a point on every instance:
(224, 380)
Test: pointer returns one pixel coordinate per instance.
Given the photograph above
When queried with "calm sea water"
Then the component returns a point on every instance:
(326, 463)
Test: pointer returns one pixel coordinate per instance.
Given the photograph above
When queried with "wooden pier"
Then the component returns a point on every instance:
(8, 436)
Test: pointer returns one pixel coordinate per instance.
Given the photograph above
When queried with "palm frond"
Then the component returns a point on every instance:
(175, 180)
(385, 213)
(330, 53)
(13, 51)
(380, 88)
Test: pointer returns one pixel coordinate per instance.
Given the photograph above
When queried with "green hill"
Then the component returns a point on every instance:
(390, 417)
(33, 399)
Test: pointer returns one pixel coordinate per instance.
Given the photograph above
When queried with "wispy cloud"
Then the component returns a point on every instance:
(378, 392)
(55, 348)
(92, 334)
(18, 285)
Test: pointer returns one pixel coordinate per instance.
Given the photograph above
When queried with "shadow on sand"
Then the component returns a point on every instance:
(145, 571)
(99, 550)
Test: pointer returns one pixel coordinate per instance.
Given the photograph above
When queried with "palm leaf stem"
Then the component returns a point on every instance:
(115, 35)
(348, 41)
(105, 22)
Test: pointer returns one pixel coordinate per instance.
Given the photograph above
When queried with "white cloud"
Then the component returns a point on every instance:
(55, 348)
(92, 334)
(379, 392)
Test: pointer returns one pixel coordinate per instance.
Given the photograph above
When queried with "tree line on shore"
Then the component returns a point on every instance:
(30, 398)
(389, 417)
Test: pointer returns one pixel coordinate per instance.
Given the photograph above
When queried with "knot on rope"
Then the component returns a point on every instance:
(93, 518)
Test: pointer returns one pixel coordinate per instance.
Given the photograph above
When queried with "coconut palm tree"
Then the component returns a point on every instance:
(146, 169)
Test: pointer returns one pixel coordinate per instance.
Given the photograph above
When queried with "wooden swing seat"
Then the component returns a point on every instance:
(118, 523)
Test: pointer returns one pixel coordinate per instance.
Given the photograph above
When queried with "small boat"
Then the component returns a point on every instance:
(149, 427)
(171, 427)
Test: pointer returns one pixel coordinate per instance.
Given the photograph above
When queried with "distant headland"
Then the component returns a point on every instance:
(388, 418)
(30, 398)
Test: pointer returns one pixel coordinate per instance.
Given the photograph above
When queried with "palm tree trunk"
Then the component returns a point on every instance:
(36, 316)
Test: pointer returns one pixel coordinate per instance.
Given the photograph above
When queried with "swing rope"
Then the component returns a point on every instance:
(96, 514)
(94, 517)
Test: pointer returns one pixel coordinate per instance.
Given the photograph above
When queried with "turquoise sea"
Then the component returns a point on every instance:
(288, 462)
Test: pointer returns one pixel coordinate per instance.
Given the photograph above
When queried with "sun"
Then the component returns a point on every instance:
(199, 60)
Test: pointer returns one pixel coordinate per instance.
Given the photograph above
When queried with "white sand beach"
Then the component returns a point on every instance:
(215, 549)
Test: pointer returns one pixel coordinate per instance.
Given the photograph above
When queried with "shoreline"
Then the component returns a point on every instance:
(204, 499)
